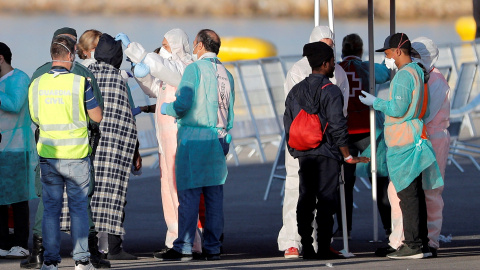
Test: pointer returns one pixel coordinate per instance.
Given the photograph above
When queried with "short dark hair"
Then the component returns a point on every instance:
(210, 40)
(62, 46)
(6, 52)
(352, 45)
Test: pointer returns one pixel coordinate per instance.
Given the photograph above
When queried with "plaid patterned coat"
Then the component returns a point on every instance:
(114, 156)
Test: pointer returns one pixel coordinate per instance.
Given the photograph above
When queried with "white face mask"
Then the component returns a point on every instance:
(194, 55)
(165, 54)
(390, 63)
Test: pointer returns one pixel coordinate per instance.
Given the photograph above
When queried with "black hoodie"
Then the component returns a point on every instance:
(109, 50)
(328, 104)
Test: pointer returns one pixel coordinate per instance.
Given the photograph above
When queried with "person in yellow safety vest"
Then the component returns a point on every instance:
(61, 104)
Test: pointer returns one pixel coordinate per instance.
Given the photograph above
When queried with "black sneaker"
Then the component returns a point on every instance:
(212, 257)
(405, 252)
(434, 252)
(98, 262)
(426, 251)
(158, 253)
(384, 251)
(121, 256)
(173, 255)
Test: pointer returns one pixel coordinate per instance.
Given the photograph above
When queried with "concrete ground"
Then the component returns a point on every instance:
(252, 225)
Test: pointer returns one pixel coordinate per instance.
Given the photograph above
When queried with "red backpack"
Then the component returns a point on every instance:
(306, 130)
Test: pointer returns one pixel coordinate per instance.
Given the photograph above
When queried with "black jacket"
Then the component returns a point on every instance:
(328, 104)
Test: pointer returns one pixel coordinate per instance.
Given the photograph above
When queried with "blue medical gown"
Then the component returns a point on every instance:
(364, 169)
(200, 160)
(409, 154)
(18, 154)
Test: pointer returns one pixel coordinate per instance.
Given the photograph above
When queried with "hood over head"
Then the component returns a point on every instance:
(109, 51)
(321, 32)
(178, 41)
(428, 51)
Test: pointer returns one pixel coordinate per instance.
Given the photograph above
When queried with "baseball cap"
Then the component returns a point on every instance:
(65, 30)
(399, 40)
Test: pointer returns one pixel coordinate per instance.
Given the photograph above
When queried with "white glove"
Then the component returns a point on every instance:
(368, 99)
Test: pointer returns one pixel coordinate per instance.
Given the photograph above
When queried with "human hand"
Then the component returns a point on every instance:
(368, 99)
(141, 70)
(138, 163)
(355, 160)
(124, 38)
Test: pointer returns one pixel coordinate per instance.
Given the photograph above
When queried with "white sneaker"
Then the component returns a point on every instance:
(49, 267)
(3, 252)
(17, 253)
(80, 266)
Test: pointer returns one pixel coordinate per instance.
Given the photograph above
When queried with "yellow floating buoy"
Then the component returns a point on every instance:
(245, 48)
(466, 28)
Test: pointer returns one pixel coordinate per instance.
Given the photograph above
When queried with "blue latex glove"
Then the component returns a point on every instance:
(368, 99)
(136, 111)
(163, 108)
(141, 70)
(123, 38)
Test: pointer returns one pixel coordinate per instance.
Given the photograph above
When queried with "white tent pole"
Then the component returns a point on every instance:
(316, 11)
(345, 251)
(373, 141)
(330, 15)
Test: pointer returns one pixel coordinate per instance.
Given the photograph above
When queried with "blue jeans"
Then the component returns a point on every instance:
(189, 201)
(75, 175)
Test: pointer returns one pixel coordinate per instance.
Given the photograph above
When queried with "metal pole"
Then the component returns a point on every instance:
(316, 10)
(345, 251)
(373, 141)
(393, 17)
(330, 15)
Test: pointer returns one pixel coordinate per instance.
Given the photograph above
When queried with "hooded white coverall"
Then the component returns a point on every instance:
(437, 123)
(161, 83)
(288, 236)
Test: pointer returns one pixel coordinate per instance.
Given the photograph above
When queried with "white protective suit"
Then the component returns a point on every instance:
(437, 124)
(161, 83)
(288, 236)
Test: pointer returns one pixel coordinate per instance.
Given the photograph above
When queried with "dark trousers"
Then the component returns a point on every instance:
(21, 222)
(414, 211)
(318, 191)
(358, 143)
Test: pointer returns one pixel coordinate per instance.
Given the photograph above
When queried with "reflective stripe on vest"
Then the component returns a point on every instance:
(57, 104)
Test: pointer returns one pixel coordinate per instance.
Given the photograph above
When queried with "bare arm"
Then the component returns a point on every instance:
(95, 114)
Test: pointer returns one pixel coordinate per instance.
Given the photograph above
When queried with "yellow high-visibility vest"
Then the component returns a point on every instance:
(57, 106)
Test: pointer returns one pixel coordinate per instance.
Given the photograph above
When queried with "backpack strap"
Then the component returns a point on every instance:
(328, 84)
(323, 87)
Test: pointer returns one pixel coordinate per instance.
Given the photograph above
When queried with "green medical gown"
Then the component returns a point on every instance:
(200, 160)
(409, 153)
(18, 154)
